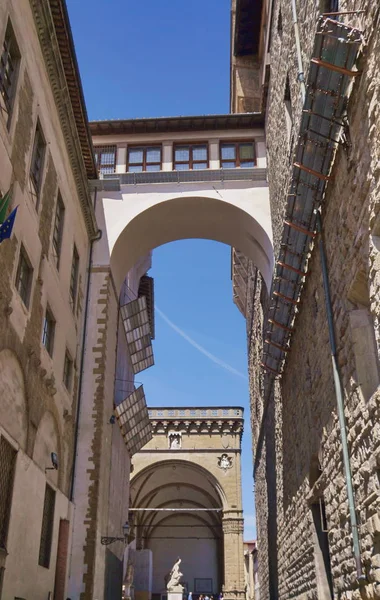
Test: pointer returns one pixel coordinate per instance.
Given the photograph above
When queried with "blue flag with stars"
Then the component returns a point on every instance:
(7, 226)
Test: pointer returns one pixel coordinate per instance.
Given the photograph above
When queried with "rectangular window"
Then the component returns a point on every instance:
(67, 371)
(237, 154)
(194, 156)
(144, 159)
(48, 331)
(37, 163)
(74, 278)
(7, 469)
(105, 159)
(9, 64)
(47, 527)
(58, 230)
(24, 277)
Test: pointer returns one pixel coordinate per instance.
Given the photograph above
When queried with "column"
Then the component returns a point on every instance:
(233, 527)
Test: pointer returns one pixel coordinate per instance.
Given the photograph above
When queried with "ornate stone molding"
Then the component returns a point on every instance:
(50, 46)
(233, 526)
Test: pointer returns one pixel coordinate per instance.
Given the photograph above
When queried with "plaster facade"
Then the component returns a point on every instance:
(37, 401)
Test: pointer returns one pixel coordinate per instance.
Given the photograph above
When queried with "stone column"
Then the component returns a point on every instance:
(233, 527)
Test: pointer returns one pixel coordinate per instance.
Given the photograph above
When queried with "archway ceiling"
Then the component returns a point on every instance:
(180, 486)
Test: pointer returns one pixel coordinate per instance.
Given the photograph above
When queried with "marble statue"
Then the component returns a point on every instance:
(172, 580)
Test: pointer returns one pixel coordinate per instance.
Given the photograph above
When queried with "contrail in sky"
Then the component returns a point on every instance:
(200, 348)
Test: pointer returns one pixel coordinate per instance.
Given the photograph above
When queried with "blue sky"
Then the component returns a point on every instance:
(149, 59)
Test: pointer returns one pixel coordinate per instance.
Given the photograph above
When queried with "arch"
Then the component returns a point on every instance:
(48, 441)
(132, 229)
(13, 403)
(146, 474)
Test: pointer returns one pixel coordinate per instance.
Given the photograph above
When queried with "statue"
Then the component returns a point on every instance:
(173, 578)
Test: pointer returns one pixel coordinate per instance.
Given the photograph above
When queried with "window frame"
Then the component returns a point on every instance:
(105, 149)
(48, 337)
(8, 496)
(144, 164)
(15, 61)
(237, 159)
(47, 527)
(23, 256)
(74, 278)
(37, 185)
(57, 246)
(191, 161)
(68, 380)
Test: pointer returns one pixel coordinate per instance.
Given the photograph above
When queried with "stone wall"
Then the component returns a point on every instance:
(298, 448)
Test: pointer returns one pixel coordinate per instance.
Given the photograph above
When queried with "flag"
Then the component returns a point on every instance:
(7, 226)
(4, 206)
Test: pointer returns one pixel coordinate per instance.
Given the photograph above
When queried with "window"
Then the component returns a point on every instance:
(67, 371)
(190, 157)
(24, 277)
(7, 468)
(49, 331)
(288, 107)
(240, 154)
(9, 63)
(329, 6)
(38, 155)
(144, 159)
(279, 24)
(58, 230)
(105, 159)
(47, 527)
(74, 278)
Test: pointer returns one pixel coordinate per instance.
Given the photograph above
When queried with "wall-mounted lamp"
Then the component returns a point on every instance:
(109, 540)
(54, 462)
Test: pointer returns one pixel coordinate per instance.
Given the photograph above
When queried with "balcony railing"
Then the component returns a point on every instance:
(112, 182)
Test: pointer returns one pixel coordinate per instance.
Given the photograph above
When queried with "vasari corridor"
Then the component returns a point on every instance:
(190, 301)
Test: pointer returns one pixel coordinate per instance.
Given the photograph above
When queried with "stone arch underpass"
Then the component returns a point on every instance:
(185, 500)
(138, 212)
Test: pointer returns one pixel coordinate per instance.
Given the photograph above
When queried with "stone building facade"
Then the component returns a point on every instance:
(305, 530)
(186, 501)
(46, 160)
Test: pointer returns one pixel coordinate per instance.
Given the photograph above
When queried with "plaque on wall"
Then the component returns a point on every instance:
(202, 586)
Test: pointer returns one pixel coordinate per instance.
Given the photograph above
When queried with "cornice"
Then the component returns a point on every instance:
(197, 426)
(72, 118)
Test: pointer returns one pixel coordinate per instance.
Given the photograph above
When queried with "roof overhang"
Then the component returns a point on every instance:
(174, 124)
(133, 418)
(137, 326)
(247, 27)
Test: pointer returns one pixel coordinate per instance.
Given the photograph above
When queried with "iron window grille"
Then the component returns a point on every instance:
(67, 371)
(144, 158)
(9, 68)
(7, 469)
(24, 276)
(237, 154)
(190, 157)
(49, 331)
(105, 159)
(38, 155)
(74, 278)
(47, 527)
(58, 230)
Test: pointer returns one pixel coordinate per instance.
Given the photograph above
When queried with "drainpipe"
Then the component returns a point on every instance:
(301, 75)
(340, 404)
(80, 383)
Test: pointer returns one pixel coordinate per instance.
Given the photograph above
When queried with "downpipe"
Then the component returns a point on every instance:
(340, 405)
(80, 383)
(301, 74)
